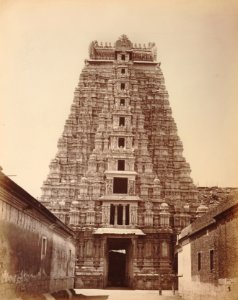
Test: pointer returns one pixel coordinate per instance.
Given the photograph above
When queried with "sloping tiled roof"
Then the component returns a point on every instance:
(210, 217)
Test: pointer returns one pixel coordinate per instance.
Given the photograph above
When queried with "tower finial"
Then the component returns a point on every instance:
(123, 42)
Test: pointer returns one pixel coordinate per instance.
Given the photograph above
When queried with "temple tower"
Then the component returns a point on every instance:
(119, 178)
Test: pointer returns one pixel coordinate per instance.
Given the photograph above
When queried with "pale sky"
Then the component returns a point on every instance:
(43, 47)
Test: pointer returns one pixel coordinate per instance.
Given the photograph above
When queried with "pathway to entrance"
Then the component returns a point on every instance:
(126, 294)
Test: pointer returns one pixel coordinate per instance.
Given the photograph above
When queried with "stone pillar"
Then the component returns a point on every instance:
(115, 216)
(96, 260)
(131, 187)
(133, 215)
(105, 214)
(80, 260)
(109, 186)
(139, 249)
(149, 218)
(123, 214)
(106, 144)
(140, 261)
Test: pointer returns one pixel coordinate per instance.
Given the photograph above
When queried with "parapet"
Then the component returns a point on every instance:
(123, 45)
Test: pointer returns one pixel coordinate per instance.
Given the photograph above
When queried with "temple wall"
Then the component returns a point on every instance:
(36, 253)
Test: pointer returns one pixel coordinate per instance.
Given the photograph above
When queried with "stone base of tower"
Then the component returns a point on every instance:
(154, 279)
(124, 260)
(154, 282)
(89, 281)
(139, 282)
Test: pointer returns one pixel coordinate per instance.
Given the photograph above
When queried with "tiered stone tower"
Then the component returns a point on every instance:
(119, 178)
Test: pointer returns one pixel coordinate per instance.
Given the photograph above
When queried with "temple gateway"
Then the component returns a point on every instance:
(119, 178)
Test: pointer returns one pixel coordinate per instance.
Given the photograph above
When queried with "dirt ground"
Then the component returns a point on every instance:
(124, 294)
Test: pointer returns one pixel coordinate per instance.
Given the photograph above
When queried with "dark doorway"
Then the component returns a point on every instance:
(122, 102)
(120, 185)
(121, 165)
(121, 142)
(122, 121)
(119, 250)
(117, 267)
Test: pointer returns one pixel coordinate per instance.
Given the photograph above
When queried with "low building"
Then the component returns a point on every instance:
(37, 252)
(208, 254)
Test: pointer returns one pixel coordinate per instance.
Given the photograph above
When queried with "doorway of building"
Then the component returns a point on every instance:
(119, 262)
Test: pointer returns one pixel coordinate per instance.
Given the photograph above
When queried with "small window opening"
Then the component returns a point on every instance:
(150, 192)
(120, 185)
(123, 71)
(123, 57)
(123, 86)
(122, 102)
(43, 246)
(121, 165)
(122, 121)
(211, 260)
(199, 261)
(121, 142)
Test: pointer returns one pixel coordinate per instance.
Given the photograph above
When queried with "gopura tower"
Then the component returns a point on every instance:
(119, 178)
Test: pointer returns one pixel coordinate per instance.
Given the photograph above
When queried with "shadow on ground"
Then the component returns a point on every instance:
(62, 295)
